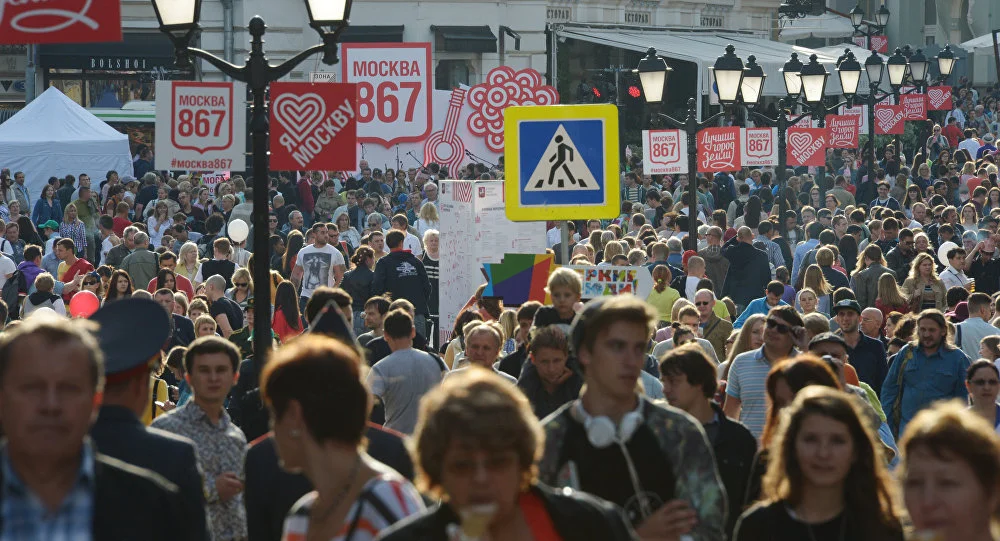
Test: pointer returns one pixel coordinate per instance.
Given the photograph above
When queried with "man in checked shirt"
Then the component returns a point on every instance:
(221, 447)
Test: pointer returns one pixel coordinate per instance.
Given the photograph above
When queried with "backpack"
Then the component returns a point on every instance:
(739, 208)
(13, 293)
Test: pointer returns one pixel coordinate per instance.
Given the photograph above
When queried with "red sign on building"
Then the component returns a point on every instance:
(314, 126)
(60, 21)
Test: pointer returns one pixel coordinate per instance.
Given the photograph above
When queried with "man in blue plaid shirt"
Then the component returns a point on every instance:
(54, 485)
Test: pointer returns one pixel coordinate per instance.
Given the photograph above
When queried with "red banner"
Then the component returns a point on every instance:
(60, 21)
(844, 131)
(939, 98)
(914, 106)
(878, 43)
(806, 146)
(889, 120)
(718, 150)
(314, 126)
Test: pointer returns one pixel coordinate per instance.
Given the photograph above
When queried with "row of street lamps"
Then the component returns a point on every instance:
(805, 87)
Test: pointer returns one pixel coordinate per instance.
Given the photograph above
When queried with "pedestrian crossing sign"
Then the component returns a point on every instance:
(561, 162)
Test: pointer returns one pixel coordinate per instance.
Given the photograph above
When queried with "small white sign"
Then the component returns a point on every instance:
(200, 126)
(322, 77)
(664, 152)
(760, 147)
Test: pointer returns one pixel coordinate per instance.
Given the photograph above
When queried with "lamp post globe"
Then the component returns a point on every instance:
(946, 61)
(753, 81)
(882, 17)
(918, 67)
(728, 71)
(857, 16)
(814, 77)
(790, 74)
(874, 67)
(897, 68)
(653, 71)
(177, 15)
(849, 72)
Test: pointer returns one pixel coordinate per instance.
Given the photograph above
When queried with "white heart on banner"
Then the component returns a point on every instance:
(937, 97)
(800, 142)
(879, 42)
(887, 118)
(299, 114)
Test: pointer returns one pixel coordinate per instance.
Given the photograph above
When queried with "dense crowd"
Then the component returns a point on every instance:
(826, 372)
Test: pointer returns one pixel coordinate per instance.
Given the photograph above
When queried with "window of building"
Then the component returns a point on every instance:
(452, 73)
(930, 12)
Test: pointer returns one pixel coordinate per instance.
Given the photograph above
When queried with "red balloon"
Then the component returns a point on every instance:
(83, 304)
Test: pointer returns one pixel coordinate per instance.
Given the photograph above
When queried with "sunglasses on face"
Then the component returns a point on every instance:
(240, 284)
(90, 283)
(780, 327)
(702, 303)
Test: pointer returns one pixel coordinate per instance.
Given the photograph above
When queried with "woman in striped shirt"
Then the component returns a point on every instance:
(319, 402)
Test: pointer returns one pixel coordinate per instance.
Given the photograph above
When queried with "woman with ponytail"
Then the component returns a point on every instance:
(663, 296)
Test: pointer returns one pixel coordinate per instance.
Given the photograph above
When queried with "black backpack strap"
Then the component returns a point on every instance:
(366, 497)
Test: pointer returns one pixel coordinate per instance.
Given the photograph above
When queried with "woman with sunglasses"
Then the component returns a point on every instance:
(92, 283)
(982, 379)
(242, 290)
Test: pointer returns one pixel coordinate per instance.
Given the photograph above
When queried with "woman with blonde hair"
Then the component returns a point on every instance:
(663, 297)
(950, 474)
(508, 322)
(751, 337)
(890, 298)
(923, 288)
(159, 223)
(969, 217)
(816, 281)
(806, 301)
(611, 249)
(428, 218)
(826, 477)
(187, 261)
(242, 290)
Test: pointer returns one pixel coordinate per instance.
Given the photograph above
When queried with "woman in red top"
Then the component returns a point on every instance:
(287, 321)
(121, 220)
(890, 298)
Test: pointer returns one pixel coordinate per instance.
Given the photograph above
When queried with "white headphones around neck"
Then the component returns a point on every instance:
(602, 431)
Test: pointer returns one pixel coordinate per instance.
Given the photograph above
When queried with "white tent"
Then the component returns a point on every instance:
(827, 25)
(986, 40)
(55, 137)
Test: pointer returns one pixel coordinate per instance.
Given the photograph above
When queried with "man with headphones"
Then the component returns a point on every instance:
(652, 460)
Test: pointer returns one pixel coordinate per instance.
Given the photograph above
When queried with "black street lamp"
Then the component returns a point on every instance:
(179, 20)
(729, 73)
(871, 28)
(899, 68)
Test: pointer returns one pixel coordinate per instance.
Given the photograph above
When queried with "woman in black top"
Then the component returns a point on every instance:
(358, 283)
(826, 480)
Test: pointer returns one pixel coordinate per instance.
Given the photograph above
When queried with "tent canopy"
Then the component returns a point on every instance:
(983, 41)
(54, 137)
(827, 25)
(703, 48)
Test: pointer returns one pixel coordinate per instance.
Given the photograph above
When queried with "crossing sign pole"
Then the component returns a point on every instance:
(561, 162)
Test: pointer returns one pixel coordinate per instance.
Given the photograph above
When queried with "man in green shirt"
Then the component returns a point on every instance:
(88, 212)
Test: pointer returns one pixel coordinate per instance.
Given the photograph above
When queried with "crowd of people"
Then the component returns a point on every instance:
(829, 372)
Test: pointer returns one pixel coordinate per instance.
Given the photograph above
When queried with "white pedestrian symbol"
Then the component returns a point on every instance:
(561, 168)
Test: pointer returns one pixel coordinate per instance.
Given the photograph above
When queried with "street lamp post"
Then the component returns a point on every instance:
(899, 67)
(179, 20)
(653, 71)
(872, 28)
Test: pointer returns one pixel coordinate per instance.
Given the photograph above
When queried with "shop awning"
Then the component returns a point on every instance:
(372, 34)
(827, 25)
(137, 52)
(465, 39)
(703, 48)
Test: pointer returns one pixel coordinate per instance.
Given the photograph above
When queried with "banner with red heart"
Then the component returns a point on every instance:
(719, 150)
(889, 120)
(314, 126)
(939, 98)
(914, 106)
(806, 146)
(844, 130)
(878, 43)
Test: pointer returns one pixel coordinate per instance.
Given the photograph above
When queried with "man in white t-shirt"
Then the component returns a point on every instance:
(318, 264)
(106, 225)
(410, 241)
(7, 268)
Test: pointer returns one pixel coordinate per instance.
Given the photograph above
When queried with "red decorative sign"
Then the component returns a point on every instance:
(503, 88)
(939, 98)
(914, 106)
(844, 131)
(889, 120)
(59, 21)
(718, 150)
(878, 43)
(806, 146)
(314, 126)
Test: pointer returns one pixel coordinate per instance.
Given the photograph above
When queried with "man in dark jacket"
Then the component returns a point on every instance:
(130, 353)
(549, 381)
(121, 501)
(689, 383)
(402, 275)
(900, 258)
(755, 272)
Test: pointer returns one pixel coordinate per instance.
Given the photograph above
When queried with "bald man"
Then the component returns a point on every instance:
(871, 323)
